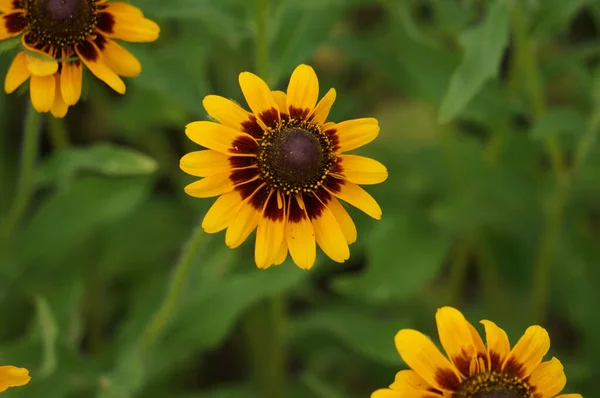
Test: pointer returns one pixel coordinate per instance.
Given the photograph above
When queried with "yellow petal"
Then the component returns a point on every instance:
(242, 225)
(7, 6)
(410, 381)
(226, 111)
(330, 237)
(300, 237)
(457, 338)
(59, 108)
(303, 90)
(259, 99)
(269, 234)
(528, 353)
(121, 61)
(343, 219)
(280, 99)
(11, 376)
(126, 22)
(497, 344)
(569, 396)
(358, 198)
(12, 24)
(17, 73)
(362, 170)
(70, 81)
(210, 186)
(548, 379)
(221, 212)
(281, 254)
(91, 56)
(426, 360)
(355, 133)
(42, 90)
(321, 111)
(220, 138)
(386, 393)
(41, 64)
(205, 163)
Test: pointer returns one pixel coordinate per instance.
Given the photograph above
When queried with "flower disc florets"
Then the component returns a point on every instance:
(296, 157)
(494, 385)
(61, 23)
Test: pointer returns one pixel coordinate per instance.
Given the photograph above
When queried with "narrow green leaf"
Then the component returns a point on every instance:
(49, 333)
(484, 46)
(103, 158)
(559, 120)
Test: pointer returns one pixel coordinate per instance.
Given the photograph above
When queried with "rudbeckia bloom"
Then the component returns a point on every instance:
(58, 35)
(281, 169)
(11, 376)
(473, 369)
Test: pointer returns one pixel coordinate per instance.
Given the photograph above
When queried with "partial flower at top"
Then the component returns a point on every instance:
(472, 369)
(11, 376)
(58, 35)
(281, 169)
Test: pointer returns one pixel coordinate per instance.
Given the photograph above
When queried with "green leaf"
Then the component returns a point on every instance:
(403, 254)
(560, 120)
(104, 158)
(9, 44)
(49, 333)
(359, 329)
(555, 15)
(484, 46)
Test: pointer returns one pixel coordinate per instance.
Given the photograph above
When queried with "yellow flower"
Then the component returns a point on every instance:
(11, 376)
(474, 370)
(281, 169)
(58, 35)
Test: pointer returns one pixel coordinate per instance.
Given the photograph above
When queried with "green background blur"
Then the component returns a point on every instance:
(488, 112)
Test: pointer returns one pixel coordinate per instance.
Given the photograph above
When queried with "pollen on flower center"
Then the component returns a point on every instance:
(61, 22)
(494, 385)
(295, 158)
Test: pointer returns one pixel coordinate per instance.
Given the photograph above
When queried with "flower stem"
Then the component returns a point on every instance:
(59, 138)
(271, 345)
(167, 310)
(26, 179)
(554, 213)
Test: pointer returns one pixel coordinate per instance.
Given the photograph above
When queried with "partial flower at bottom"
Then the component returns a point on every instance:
(472, 369)
(58, 36)
(281, 169)
(11, 376)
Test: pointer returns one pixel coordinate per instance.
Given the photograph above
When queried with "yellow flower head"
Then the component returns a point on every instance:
(58, 35)
(473, 369)
(11, 376)
(281, 169)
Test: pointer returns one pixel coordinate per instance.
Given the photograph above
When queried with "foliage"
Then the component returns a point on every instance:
(489, 112)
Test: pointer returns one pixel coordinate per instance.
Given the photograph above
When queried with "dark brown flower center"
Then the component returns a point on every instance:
(494, 385)
(61, 23)
(295, 158)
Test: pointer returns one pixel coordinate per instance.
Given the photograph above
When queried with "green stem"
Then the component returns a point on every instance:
(270, 357)
(26, 180)
(57, 130)
(174, 292)
(554, 214)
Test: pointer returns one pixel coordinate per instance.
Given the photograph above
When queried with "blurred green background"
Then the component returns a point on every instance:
(488, 112)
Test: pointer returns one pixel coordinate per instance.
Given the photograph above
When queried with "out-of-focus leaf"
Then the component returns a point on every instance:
(555, 15)
(360, 331)
(403, 254)
(66, 218)
(560, 120)
(126, 380)
(103, 158)
(484, 47)
(9, 44)
(49, 334)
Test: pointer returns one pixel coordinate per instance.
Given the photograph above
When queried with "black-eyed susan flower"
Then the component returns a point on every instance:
(281, 169)
(473, 369)
(58, 35)
(11, 376)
